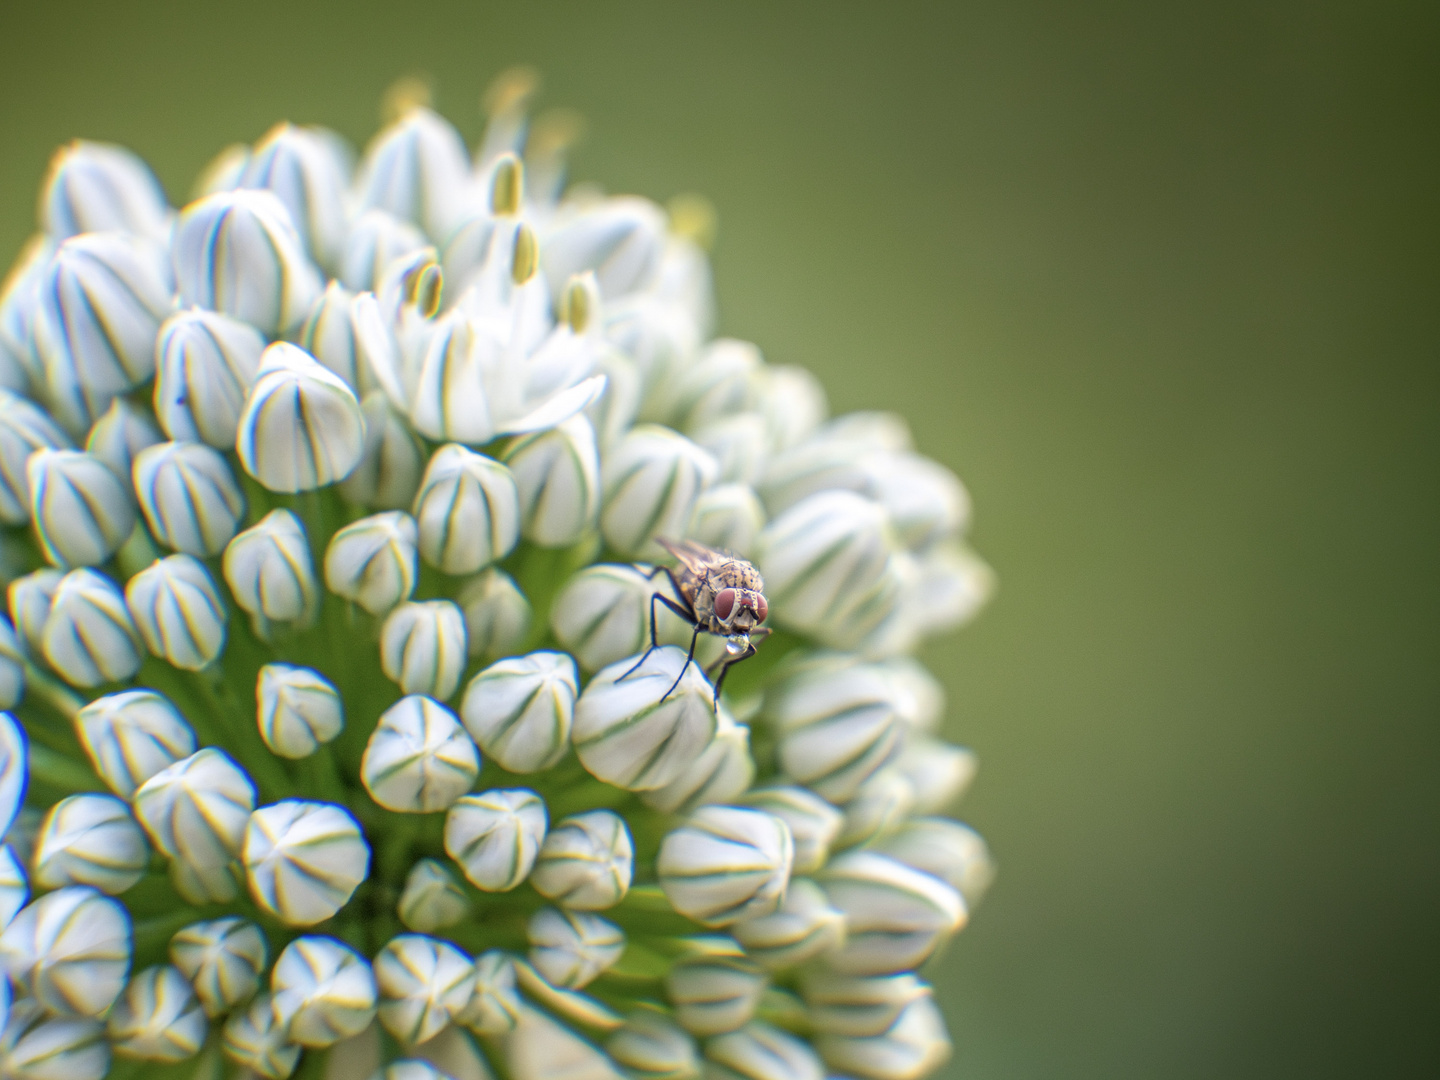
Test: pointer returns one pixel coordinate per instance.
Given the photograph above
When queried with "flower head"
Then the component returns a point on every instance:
(340, 703)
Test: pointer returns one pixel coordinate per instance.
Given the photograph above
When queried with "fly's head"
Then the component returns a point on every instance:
(739, 611)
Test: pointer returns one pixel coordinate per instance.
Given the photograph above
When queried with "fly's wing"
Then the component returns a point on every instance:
(697, 558)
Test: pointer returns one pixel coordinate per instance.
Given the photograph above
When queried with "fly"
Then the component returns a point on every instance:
(719, 594)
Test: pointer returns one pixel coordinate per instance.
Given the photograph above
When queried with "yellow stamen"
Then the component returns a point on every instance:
(526, 258)
(510, 91)
(506, 186)
(405, 94)
(693, 217)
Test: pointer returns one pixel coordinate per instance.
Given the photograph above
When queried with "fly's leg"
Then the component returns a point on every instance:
(654, 642)
(688, 658)
(725, 663)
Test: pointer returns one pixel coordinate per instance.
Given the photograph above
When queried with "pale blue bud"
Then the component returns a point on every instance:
(915, 1044)
(12, 667)
(70, 950)
(654, 1047)
(946, 849)
(308, 169)
(376, 240)
(223, 959)
(620, 239)
(571, 948)
(495, 836)
(103, 297)
(31, 598)
(419, 170)
(329, 336)
(424, 984)
(20, 370)
(804, 926)
(255, 1040)
(303, 860)
(323, 991)
(936, 772)
(761, 1051)
(519, 710)
(269, 571)
(432, 899)
(716, 993)
(651, 481)
(302, 427)
(895, 917)
(814, 823)
(728, 517)
(419, 759)
(237, 252)
(393, 460)
(14, 769)
(207, 362)
(158, 1018)
(723, 381)
(132, 735)
(178, 611)
(195, 812)
(373, 562)
(468, 510)
(119, 435)
(297, 710)
(586, 862)
(89, 637)
(557, 473)
(495, 1005)
(35, 1046)
(423, 648)
(97, 187)
(497, 615)
(188, 496)
(879, 806)
(725, 864)
(835, 456)
(602, 615)
(740, 444)
(90, 840)
(81, 510)
(722, 772)
(24, 428)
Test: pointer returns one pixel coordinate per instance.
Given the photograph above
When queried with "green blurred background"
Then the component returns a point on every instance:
(1160, 282)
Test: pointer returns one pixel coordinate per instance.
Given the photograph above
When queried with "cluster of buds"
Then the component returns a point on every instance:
(330, 510)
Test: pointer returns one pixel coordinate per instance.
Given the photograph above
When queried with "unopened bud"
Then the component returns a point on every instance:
(419, 759)
(519, 710)
(206, 364)
(70, 950)
(495, 836)
(322, 991)
(306, 169)
(269, 571)
(432, 899)
(571, 948)
(725, 864)
(89, 637)
(586, 862)
(297, 710)
(97, 187)
(468, 511)
(132, 735)
(651, 482)
(418, 170)
(37, 1046)
(557, 474)
(814, 823)
(82, 510)
(761, 1051)
(721, 774)
(497, 615)
(602, 615)
(303, 860)
(423, 649)
(195, 812)
(423, 983)
(158, 1018)
(802, 927)
(178, 611)
(24, 428)
(118, 437)
(255, 1040)
(189, 497)
(223, 959)
(895, 917)
(716, 993)
(90, 840)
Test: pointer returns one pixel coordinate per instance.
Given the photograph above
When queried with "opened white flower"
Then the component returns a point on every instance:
(457, 794)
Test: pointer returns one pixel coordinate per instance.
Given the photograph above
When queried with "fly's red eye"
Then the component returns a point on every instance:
(724, 603)
(762, 609)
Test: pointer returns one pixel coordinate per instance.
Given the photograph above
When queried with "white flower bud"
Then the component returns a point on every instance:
(82, 511)
(838, 725)
(424, 984)
(633, 731)
(90, 840)
(373, 562)
(879, 806)
(495, 836)
(895, 916)
(12, 667)
(802, 927)
(620, 239)
(519, 710)
(722, 382)
(322, 991)
(937, 772)
(823, 561)
(497, 615)
(269, 571)
(857, 1005)
(419, 759)
(377, 238)
(195, 812)
(36, 1047)
(329, 336)
(390, 469)
(450, 400)
(571, 948)
(256, 1041)
(206, 364)
(303, 860)
(833, 457)
(722, 772)
(613, 412)
(946, 849)
(307, 170)
(189, 497)
(728, 517)
(760, 1051)
(118, 437)
(237, 252)
(468, 511)
(20, 370)
(557, 472)
(14, 769)
(494, 1005)
(939, 590)
(814, 823)
(97, 187)
(178, 611)
(423, 648)
(102, 299)
(23, 430)
(603, 614)
(925, 500)
(432, 899)
(297, 710)
(70, 950)
(654, 1047)
(14, 889)
(651, 481)
(716, 993)
(410, 1069)
(302, 427)
(418, 170)
(158, 1018)
(726, 863)
(586, 862)
(30, 598)
(89, 638)
(739, 444)
(223, 959)
(915, 1044)
(132, 735)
